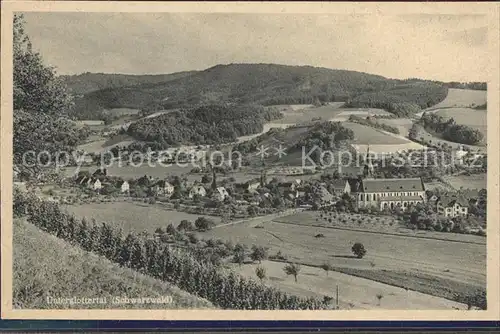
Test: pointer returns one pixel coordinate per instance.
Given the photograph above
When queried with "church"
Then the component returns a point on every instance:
(386, 193)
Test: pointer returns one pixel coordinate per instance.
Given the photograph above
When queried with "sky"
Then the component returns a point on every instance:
(438, 47)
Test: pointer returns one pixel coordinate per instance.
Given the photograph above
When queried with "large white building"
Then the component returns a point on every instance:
(389, 193)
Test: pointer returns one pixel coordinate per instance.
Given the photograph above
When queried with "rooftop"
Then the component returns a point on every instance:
(401, 198)
(392, 185)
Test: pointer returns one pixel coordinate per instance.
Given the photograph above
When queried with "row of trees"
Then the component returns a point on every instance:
(158, 260)
(450, 130)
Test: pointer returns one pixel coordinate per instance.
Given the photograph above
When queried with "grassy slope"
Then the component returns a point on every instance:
(47, 266)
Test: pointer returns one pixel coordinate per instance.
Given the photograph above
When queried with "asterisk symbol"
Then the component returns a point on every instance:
(281, 151)
(262, 151)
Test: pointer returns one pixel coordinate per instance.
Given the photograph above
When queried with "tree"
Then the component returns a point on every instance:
(239, 257)
(171, 229)
(260, 272)
(41, 103)
(204, 224)
(379, 297)
(259, 253)
(292, 269)
(326, 267)
(36, 86)
(185, 225)
(414, 132)
(359, 250)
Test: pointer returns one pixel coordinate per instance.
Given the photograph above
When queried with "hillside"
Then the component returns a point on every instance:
(266, 84)
(88, 82)
(45, 265)
(212, 124)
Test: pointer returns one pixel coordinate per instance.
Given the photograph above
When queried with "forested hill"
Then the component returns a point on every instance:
(89, 82)
(211, 124)
(264, 84)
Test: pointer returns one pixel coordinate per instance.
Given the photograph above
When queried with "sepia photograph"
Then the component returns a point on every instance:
(238, 160)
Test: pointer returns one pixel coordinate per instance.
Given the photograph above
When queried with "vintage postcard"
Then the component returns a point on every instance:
(227, 161)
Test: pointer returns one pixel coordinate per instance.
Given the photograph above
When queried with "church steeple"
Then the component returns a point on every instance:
(368, 167)
(214, 178)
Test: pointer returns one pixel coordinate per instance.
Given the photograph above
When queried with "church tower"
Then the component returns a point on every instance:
(214, 178)
(368, 167)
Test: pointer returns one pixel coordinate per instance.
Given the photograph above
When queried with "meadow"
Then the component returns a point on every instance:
(431, 266)
(383, 224)
(297, 114)
(133, 216)
(462, 98)
(475, 181)
(367, 135)
(476, 119)
(354, 292)
(46, 266)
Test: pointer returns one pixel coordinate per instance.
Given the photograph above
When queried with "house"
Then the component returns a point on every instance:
(89, 181)
(93, 183)
(197, 190)
(124, 187)
(460, 153)
(452, 206)
(220, 193)
(389, 193)
(252, 185)
(162, 188)
(340, 187)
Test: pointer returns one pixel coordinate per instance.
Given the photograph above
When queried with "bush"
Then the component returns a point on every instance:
(359, 250)
(259, 253)
(260, 272)
(185, 225)
(204, 224)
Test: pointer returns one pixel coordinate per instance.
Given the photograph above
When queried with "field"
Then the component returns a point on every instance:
(476, 181)
(437, 185)
(367, 135)
(433, 140)
(354, 292)
(123, 111)
(379, 141)
(371, 223)
(476, 119)
(131, 216)
(402, 124)
(98, 144)
(296, 114)
(462, 98)
(45, 266)
(437, 267)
